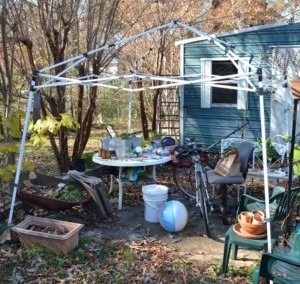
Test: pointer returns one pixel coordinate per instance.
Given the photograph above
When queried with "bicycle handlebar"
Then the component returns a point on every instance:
(234, 131)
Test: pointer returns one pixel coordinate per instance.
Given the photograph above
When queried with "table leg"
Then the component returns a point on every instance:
(154, 172)
(120, 189)
(111, 184)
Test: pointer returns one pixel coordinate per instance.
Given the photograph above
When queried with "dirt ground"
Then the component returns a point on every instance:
(190, 243)
(129, 224)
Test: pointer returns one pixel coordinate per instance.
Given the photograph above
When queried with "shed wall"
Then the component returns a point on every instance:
(207, 126)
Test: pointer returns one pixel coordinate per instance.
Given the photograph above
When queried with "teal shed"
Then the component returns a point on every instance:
(208, 114)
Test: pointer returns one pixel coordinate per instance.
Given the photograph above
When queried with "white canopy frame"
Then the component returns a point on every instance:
(253, 77)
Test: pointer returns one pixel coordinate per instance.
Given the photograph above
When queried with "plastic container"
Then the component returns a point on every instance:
(154, 196)
(133, 142)
(120, 148)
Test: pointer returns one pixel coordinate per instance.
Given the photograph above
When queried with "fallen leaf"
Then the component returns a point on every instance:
(27, 183)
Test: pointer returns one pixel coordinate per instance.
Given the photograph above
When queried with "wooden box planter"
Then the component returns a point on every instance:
(47, 202)
(62, 242)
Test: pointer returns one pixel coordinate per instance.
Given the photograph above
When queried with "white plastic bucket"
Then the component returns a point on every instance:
(154, 196)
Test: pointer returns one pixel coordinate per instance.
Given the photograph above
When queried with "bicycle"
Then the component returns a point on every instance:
(184, 170)
(195, 161)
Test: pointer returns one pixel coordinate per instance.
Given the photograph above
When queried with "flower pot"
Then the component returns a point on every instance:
(258, 219)
(258, 212)
(253, 229)
(246, 216)
(58, 243)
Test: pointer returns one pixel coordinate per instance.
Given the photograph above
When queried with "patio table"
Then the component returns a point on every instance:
(128, 163)
(273, 175)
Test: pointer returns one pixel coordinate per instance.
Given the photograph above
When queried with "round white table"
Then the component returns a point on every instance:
(128, 163)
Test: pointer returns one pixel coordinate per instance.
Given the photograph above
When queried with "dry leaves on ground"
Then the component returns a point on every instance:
(144, 261)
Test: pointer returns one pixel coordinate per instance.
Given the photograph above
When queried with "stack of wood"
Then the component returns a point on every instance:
(99, 204)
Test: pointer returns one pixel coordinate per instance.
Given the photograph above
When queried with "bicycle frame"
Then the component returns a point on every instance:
(202, 195)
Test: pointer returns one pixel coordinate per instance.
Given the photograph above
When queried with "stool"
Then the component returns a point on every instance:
(233, 241)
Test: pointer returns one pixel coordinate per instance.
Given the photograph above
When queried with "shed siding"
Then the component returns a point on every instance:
(207, 126)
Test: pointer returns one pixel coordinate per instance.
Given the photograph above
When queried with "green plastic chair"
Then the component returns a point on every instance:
(249, 203)
(233, 242)
(278, 203)
(278, 211)
(280, 268)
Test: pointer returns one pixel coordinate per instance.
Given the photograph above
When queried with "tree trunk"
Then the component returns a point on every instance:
(143, 112)
(86, 122)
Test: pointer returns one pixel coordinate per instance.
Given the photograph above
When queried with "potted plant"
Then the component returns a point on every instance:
(272, 154)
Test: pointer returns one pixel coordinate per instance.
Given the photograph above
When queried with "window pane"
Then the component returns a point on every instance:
(219, 95)
(224, 96)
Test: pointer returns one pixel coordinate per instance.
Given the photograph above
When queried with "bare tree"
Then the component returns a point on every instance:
(157, 53)
(62, 29)
(8, 87)
(228, 15)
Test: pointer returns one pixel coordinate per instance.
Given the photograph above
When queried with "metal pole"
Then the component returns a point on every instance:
(291, 158)
(264, 148)
(130, 107)
(18, 171)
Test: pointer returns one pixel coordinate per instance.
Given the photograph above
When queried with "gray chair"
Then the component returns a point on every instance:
(245, 150)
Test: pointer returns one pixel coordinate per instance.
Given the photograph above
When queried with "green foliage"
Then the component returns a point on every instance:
(68, 121)
(297, 145)
(271, 151)
(88, 157)
(50, 124)
(9, 147)
(127, 135)
(13, 125)
(34, 252)
(71, 192)
(58, 261)
(128, 256)
(243, 272)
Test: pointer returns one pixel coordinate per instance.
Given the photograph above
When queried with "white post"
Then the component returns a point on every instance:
(130, 107)
(264, 148)
(18, 171)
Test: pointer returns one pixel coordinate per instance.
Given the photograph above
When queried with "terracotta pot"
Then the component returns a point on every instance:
(258, 219)
(253, 229)
(246, 216)
(258, 212)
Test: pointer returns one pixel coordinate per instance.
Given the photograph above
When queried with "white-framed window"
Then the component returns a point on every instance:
(223, 97)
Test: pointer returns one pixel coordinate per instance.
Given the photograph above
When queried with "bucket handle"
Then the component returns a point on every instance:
(153, 207)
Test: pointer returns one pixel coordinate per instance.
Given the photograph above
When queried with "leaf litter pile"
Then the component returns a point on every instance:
(47, 229)
(96, 261)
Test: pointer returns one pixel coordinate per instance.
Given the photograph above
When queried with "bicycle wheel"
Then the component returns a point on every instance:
(201, 199)
(184, 178)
